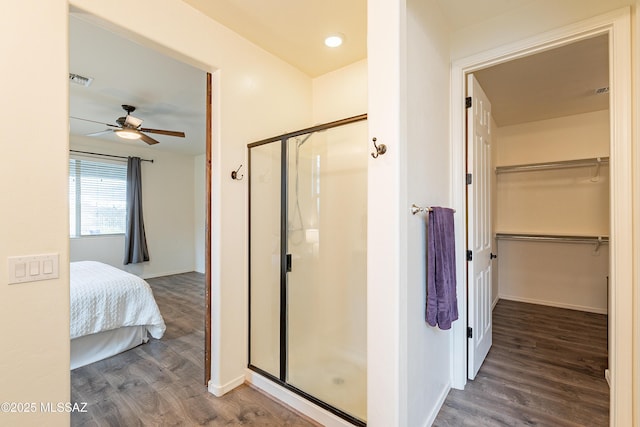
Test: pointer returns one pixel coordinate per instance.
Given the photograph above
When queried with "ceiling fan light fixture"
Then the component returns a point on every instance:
(128, 133)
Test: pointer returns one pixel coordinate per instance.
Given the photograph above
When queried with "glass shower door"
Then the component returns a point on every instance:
(326, 278)
(264, 257)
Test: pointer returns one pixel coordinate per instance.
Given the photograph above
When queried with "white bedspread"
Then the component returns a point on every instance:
(104, 298)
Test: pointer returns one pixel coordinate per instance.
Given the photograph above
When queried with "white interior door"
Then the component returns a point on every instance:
(479, 226)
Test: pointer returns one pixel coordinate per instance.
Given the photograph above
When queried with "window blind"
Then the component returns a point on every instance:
(97, 197)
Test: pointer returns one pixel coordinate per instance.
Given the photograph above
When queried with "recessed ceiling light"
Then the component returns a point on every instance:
(334, 40)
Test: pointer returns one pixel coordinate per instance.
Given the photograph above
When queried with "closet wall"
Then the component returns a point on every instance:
(565, 201)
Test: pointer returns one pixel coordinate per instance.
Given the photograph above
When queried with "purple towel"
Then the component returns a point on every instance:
(442, 303)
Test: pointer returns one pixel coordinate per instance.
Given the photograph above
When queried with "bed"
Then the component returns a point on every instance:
(111, 311)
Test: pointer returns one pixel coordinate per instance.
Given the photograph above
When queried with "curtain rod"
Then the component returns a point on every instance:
(107, 155)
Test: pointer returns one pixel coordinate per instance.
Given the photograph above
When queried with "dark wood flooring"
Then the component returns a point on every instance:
(160, 383)
(545, 368)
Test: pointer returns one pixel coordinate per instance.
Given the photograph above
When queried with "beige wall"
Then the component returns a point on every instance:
(34, 362)
(168, 198)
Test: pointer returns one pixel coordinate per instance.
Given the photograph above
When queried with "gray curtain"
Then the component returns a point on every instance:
(135, 243)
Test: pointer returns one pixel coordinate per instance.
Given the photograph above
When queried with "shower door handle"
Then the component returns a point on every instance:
(288, 260)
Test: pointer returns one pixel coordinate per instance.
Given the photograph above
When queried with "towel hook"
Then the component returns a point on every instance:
(234, 174)
(380, 149)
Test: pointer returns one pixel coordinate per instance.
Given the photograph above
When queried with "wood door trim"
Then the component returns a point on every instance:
(207, 242)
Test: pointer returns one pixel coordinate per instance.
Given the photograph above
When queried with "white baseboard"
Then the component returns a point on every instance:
(555, 304)
(495, 301)
(298, 403)
(443, 396)
(221, 390)
(607, 376)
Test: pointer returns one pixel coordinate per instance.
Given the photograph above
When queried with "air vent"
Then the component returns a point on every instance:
(80, 80)
(602, 90)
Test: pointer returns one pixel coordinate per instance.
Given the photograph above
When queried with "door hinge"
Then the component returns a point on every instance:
(288, 263)
(469, 332)
(469, 256)
(468, 102)
(469, 179)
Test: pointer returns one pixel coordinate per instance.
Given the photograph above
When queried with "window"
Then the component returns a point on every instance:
(97, 198)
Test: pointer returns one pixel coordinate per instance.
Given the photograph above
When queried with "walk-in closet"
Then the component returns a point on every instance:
(550, 161)
(551, 217)
(549, 151)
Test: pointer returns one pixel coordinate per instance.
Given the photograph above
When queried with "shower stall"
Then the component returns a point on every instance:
(307, 264)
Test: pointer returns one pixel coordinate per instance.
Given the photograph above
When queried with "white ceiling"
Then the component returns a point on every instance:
(168, 94)
(171, 95)
(294, 30)
(554, 83)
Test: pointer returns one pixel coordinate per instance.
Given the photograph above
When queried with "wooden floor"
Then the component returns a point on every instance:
(161, 382)
(546, 368)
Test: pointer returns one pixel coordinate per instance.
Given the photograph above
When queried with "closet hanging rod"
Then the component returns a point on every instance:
(416, 209)
(106, 155)
(553, 238)
(595, 161)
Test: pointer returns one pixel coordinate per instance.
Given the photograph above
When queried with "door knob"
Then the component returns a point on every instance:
(492, 255)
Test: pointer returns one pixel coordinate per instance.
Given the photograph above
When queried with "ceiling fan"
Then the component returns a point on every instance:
(129, 127)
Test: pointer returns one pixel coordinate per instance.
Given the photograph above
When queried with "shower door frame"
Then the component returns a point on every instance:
(281, 379)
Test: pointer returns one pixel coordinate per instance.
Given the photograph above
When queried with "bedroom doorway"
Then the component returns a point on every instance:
(172, 171)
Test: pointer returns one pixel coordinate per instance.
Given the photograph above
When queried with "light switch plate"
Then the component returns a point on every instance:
(32, 268)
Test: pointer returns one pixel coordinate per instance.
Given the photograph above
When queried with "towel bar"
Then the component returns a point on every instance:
(415, 209)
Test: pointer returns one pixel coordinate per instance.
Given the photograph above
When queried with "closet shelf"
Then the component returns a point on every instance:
(553, 238)
(595, 161)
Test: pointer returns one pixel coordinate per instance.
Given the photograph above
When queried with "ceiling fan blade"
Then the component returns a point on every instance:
(148, 139)
(102, 132)
(93, 121)
(164, 132)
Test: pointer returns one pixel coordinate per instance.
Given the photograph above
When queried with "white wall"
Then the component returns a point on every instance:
(34, 361)
(636, 207)
(562, 202)
(519, 23)
(168, 202)
(341, 93)
(564, 138)
(199, 211)
(385, 391)
(409, 112)
(426, 183)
